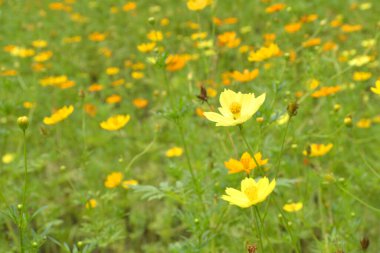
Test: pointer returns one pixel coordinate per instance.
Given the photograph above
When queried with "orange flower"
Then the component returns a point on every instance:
(309, 18)
(90, 109)
(95, 87)
(328, 46)
(9, 72)
(326, 91)
(96, 36)
(264, 53)
(246, 163)
(312, 42)
(245, 76)
(176, 62)
(228, 39)
(351, 28)
(129, 6)
(293, 27)
(364, 123)
(275, 8)
(113, 99)
(140, 102)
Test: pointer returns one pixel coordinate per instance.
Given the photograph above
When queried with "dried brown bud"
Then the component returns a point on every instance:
(251, 248)
(364, 243)
(292, 109)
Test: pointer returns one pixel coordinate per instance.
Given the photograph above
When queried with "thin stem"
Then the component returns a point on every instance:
(248, 146)
(22, 210)
(282, 148)
(253, 215)
(322, 217)
(146, 149)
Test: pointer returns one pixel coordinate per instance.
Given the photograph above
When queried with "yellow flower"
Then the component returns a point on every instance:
(43, 56)
(113, 180)
(246, 163)
(8, 158)
(127, 183)
(245, 76)
(91, 203)
(97, 36)
(140, 102)
(228, 39)
(8, 72)
(293, 207)
(39, 43)
(59, 115)
(146, 47)
(174, 152)
(155, 35)
(364, 123)
(264, 53)
(236, 108)
(113, 99)
(112, 71)
(376, 89)
(176, 62)
(361, 76)
(197, 5)
(312, 42)
(251, 193)
(293, 27)
(129, 6)
(318, 149)
(115, 122)
(137, 75)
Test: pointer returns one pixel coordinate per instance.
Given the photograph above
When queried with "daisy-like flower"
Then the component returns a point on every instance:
(251, 192)
(246, 163)
(236, 108)
(292, 207)
(113, 180)
(174, 152)
(115, 122)
(317, 149)
(59, 115)
(376, 89)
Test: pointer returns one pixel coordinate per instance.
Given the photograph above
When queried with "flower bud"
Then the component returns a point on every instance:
(151, 20)
(23, 122)
(348, 121)
(292, 109)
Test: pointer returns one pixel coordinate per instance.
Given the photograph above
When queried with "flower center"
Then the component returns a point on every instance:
(251, 193)
(235, 108)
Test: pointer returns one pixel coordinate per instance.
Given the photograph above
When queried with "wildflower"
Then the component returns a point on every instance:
(9, 72)
(112, 71)
(39, 43)
(97, 36)
(309, 18)
(360, 60)
(275, 8)
(293, 27)
(129, 6)
(8, 158)
(95, 87)
(23, 122)
(176, 62)
(292, 207)
(251, 192)
(197, 5)
(90, 109)
(364, 123)
(155, 35)
(376, 89)
(228, 39)
(137, 75)
(28, 105)
(351, 28)
(59, 115)
(74, 39)
(113, 180)
(361, 76)
(128, 183)
(246, 163)
(113, 99)
(236, 108)
(146, 47)
(22, 52)
(245, 76)
(43, 56)
(314, 150)
(140, 102)
(115, 122)
(348, 121)
(91, 203)
(326, 91)
(312, 42)
(264, 53)
(328, 46)
(174, 152)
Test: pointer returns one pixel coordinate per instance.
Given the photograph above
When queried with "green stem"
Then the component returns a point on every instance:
(254, 213)
(322, 217)
(282, 148)
(248, 146)
(22, 210)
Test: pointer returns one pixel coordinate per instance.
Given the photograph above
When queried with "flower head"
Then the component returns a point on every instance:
(115, 122)
(59, 115)
(251, 193)
(376, 89)
(236, 108)
(174, 152)
(246, 163)
(113, 180)
(318, 149)
(292, 207)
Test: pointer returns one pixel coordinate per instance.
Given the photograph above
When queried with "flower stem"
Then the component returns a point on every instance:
(248, 146)
(22, 210)
(255, 215)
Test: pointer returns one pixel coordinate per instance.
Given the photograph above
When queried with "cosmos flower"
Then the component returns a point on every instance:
(113, 180)
(197, 5)
(246, 163)
(115, 122)
(91, 203)
(264, 53)
(292, 207)
(314, 150)
(251, 192)
(174, 152)
(376, 89)
(245, 76)
(236, 108)
(59, 115)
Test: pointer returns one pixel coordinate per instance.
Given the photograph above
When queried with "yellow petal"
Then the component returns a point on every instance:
(247, 183)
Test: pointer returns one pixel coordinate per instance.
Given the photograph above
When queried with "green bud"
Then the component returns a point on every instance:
(23, 122)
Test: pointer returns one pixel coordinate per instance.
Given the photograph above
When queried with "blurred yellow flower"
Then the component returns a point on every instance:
(245, 76)
(246, 163)
(39, 43)
(28, 105)
(137, 75)
(292, 207)
(364, 123)
(8, 72)
(155, 35)
(112, 71)
(293, 27)
(127, 183)
(22, 52)
(8, 158)
(59, 115)
(113, 180)
(275, 8)
(140, 102)
(97, 36)
(376, 89)
(115, 122)
(361, 76)
(113, 99)
(314, 150)
(146, 47)
(236, 108)
(228, 39)
(91, 203)
(43, 56)
(197, 5)
(312, 42)
(264, 53)
(326, 91)
(251, 192)
(129, 6)
(95, 87)
(174, 152)
(176, 62)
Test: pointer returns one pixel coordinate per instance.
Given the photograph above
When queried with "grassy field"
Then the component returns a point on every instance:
(189, 126)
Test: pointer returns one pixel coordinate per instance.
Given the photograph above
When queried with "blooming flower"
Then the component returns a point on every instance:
(8, 158)
(264, 53)
(376, 89)
(275, 8)
(292, 207)
(115, 122)
(174, 152)
(236, 108)
(361, 76)
(197, 5)
(129, 6)
(146, 47)
(251, 192)
(59, 115)
(245, 76)
(314, 150)
(246, 163)
(364, 123)
(91, 203)
(113, 99)
(140, 102)
(113, 180)
(326, 91)
(127, 183)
